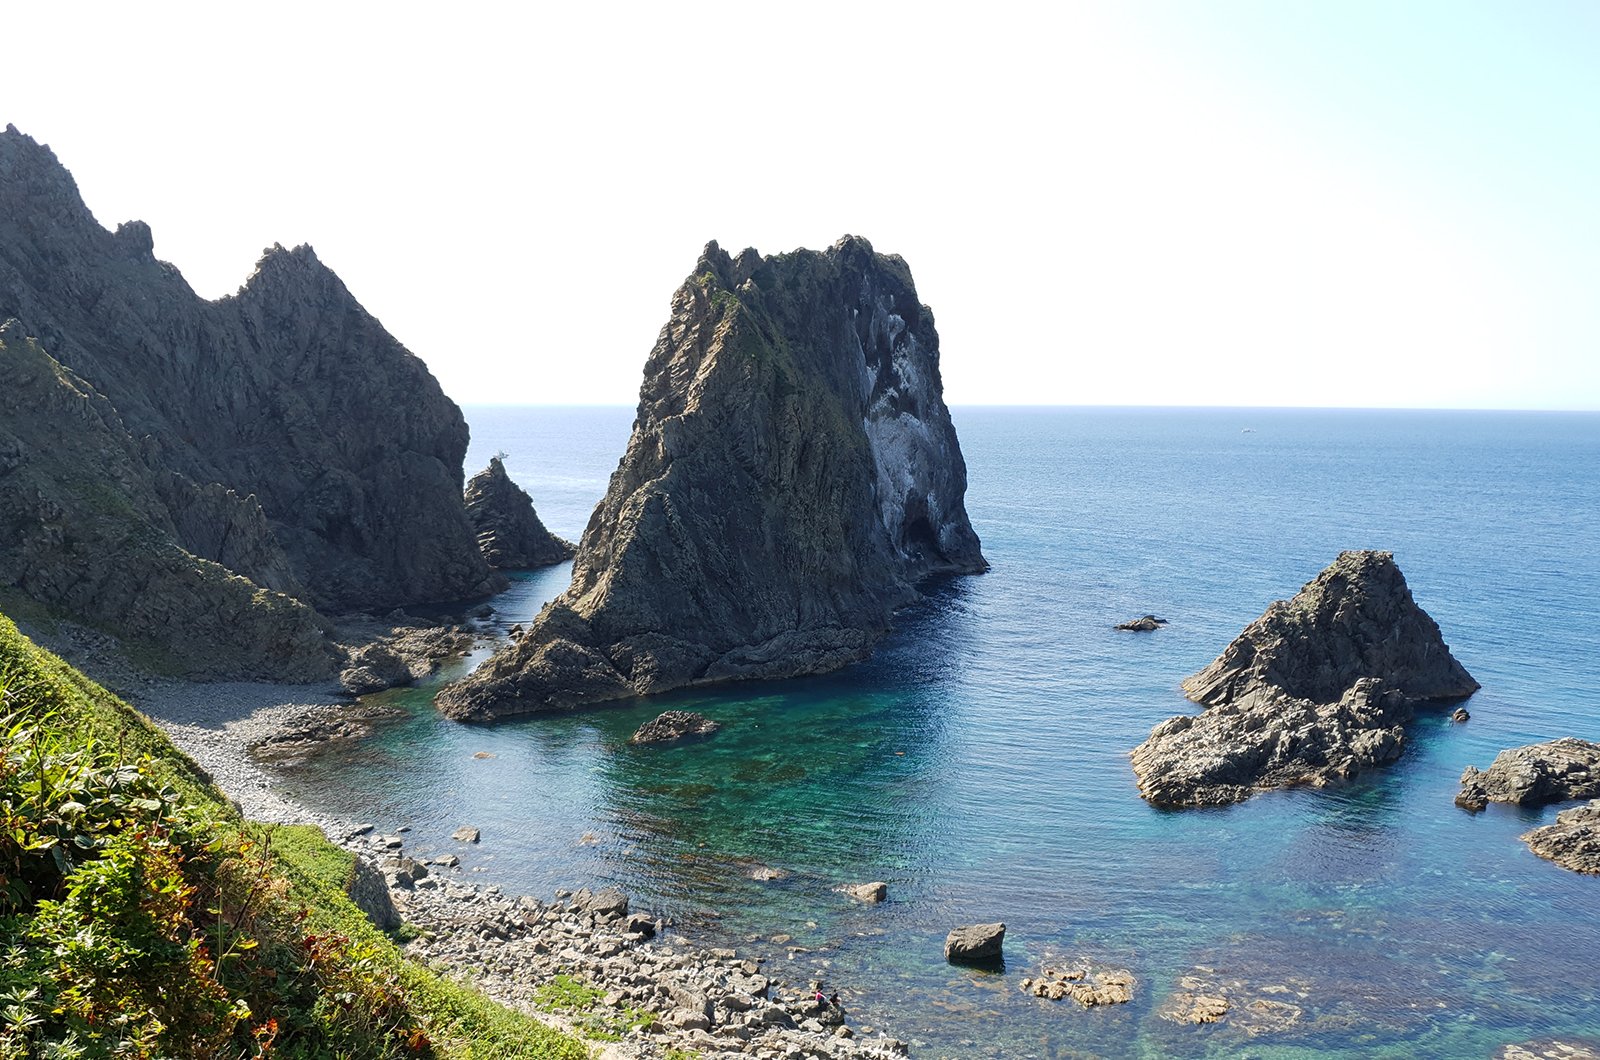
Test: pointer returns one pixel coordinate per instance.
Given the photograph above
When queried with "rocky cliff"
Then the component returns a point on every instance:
(1316, 689)
(86, 530)
(792, 474)
(510, 534)
(283, 435)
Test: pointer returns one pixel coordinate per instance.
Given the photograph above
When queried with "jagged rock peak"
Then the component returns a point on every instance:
(1317, 689)
(1355, 619)
(510, 534)
(792, 474)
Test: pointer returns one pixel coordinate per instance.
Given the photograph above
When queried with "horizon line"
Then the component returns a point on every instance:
(1042, 406)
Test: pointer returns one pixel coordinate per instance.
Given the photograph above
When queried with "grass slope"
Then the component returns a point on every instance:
(141, 916)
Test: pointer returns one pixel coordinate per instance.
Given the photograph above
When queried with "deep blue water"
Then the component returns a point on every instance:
(978, 762)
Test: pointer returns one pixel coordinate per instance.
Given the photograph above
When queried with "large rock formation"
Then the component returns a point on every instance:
(280, 434)
(85, 529)
(1535, 775)
(792, 474)
(1316, 689)
(510, 533)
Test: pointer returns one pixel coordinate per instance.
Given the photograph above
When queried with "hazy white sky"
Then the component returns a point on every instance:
(1238, 203)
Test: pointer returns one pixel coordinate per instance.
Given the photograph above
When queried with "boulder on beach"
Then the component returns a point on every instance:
(1317, 689)
(975, 943)
(1535, 775)
(674, 725)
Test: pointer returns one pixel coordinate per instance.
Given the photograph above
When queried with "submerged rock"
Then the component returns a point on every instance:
(510, 533)
(792, 475)
(1573, 841)
(1317, 689)
(1087, 986)
(674, 725)
(975, 943)
(1535, 775)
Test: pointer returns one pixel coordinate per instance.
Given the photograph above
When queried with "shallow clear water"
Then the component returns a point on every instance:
(978, 762)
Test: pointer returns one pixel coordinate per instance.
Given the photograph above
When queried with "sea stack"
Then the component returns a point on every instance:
(1316, 689)
(511, 535)
(792, 475)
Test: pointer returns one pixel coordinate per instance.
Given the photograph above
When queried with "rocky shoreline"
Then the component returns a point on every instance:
(580, 962)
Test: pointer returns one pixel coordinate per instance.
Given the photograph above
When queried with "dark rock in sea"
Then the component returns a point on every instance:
(510, 534)
(975, 943)
(792, 475)
(465, 834)
(1315, 690)
(674, 725)
(1147, 624)
(1535, 775)
(278, 440)
(1355, 619)
(1573, 841)
(1460, 715)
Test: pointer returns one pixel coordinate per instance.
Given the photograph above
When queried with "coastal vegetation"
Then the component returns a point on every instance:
(142, 916)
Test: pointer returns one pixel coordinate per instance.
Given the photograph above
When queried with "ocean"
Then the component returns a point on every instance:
(978, 762)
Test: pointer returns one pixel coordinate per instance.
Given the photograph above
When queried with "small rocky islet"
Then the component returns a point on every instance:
(1317, 689)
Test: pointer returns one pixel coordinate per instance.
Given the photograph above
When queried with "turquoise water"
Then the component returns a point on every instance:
(978, 763)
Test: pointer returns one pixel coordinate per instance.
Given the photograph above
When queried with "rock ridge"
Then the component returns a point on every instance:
(258, 432)
(792, 475)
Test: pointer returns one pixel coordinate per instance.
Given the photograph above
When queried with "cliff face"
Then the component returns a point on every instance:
(85, 529)
(510, 534)
(792, 474)
(288, 392)
(1317, 689)
(279, 438)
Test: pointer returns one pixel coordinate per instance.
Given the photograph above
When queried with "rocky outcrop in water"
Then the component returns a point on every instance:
(1573, 841)
(510, 533)
(1355, 619)
(673, 725)
(975, 943)
(1535, 775)
(792, 475)
(1143, 624)
(279, 435)
(1317, 689)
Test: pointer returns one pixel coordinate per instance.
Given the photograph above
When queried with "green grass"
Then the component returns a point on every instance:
(171, 907)
(583, 1004)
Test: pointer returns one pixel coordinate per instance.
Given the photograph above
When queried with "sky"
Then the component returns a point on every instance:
(1237, 202)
